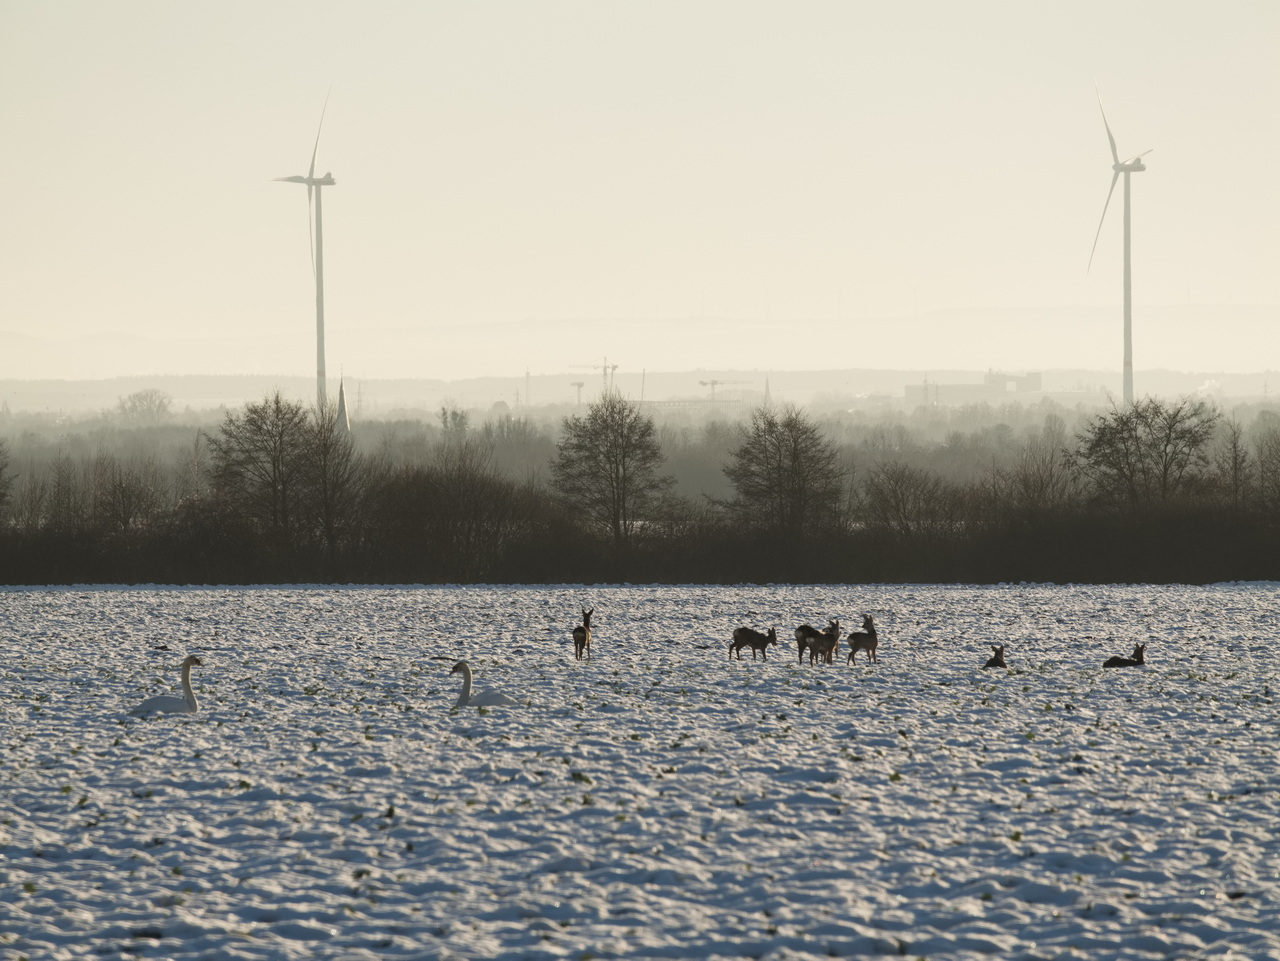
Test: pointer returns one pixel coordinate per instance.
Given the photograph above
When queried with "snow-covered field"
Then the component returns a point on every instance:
(658, 801)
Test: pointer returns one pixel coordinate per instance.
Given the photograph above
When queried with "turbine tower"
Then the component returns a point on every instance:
(317, 251)
(1132, 165)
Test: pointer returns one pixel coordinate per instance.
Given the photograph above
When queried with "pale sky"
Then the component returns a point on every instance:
(671, 185)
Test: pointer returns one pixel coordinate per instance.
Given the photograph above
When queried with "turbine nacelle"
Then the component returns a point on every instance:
(325, 181)
(1132, 165)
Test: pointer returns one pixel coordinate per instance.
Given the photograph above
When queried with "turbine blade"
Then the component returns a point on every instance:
(1114, 177)
(291, 180)
(312, 171)
(1115, 156)
(1139, 156)
(311, 231)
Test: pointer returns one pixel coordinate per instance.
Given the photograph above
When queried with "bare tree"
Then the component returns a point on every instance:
(127, 496)
(333, 477)
(1043, 478)
(191, 475)
(258, 463)
(145, 407)
(519, 447)
(482, 512)
(909, 502)
(454, 421)
(606, 466)
(786, 476)
(1233, 465)
(67, 501)
(6, 482)
(1148, 453)
(31, 504)
(455, 517)
(1267, 448)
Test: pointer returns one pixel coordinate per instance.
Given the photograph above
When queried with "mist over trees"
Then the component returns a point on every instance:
(276, 492)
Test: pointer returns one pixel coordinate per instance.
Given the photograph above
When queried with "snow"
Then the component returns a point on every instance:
(659, 800)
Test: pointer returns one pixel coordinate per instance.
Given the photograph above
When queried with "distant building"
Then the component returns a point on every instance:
(996, 388)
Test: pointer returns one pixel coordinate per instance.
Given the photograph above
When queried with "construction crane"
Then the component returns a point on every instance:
(578, 384)
(713, 384)
(606, 371)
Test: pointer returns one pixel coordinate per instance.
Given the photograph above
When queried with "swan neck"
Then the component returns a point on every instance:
(187, 691)
(465, 696)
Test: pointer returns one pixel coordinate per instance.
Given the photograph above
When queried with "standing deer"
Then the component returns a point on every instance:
(746, 637)
(864, 640)
(1136, 661)
(997, 658)
(582, 635)
(806, 635)
(824, 646)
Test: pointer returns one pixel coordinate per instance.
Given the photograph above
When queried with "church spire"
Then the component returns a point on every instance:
(344, 422)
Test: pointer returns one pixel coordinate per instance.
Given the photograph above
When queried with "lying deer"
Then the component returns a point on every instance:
(864, 640)
(746, 637)
(996, 659)
(1136, 661)
(582, 635)
(807, 635)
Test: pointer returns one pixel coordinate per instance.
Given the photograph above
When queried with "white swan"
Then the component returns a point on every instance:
(486, 698)
(174, 705)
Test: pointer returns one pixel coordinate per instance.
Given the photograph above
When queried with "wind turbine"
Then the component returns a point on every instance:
(1132, 165)
(317, 250)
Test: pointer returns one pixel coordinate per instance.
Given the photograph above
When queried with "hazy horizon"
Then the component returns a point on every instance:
(670, 186)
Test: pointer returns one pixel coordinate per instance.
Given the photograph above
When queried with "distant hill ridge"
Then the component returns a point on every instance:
(825, 388)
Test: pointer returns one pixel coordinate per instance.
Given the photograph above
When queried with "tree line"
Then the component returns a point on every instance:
(1161, 490)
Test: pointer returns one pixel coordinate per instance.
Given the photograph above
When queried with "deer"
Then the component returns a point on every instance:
(997, 658)
(806, 635)
(864, 640)
(746, 637)
(582, 635)
(1136, 661)
(824, 646)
